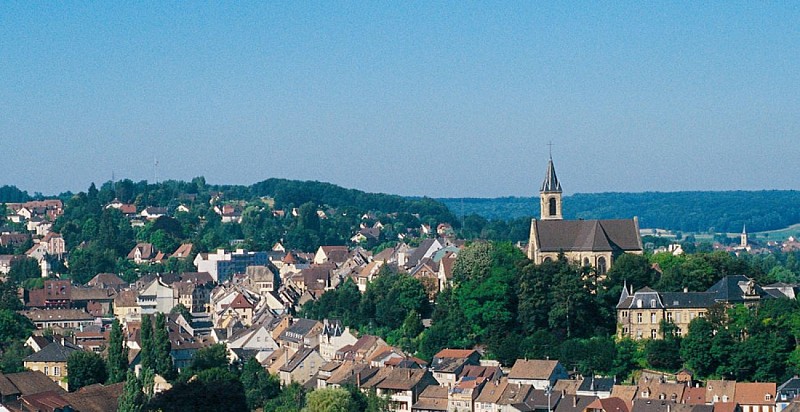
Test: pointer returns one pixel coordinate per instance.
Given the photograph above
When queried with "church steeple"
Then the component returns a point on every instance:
(743, 242)
(550, 194)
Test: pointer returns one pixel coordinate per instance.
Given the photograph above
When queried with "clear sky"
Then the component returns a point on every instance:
(445, 99)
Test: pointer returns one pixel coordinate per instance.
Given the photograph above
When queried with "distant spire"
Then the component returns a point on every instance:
(551, 183)
(744, 228)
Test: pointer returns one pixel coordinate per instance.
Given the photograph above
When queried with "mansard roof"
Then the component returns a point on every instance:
(551, 183)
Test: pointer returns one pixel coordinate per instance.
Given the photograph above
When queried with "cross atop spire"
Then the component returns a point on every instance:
(550, 146)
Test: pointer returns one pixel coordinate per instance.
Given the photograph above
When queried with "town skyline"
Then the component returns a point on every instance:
(446, 100)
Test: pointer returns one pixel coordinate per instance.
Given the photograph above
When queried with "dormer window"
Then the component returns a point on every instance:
(724, 398)
(767, 397)
(716, 398)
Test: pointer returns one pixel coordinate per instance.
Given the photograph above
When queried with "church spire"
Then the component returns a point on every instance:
(550, 194)
(551, 183)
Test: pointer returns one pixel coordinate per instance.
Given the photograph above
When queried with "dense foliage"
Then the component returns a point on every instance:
(680, 211)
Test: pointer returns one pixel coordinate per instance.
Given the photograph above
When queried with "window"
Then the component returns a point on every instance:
(716, 398)
(625, 331)
(724, 398)
(678, 317)
(56, 371)
(552, 206)
(46, 370)
(653, 333)
(669, 316)
(652, 317)
(678, 332)
(601, 266)
(767, 397)
(638, 318)
(624, 313)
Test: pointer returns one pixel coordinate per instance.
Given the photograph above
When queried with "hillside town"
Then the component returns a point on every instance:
(269, 308)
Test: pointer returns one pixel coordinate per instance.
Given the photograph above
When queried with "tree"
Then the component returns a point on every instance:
(117, 354)
(162, 348)
(214, 356)
(23, 269)
(329, 400)
(132, 398)
(85, 368)
(696, 347)
(147, 357)
(291, 399)
(8, 296)
(259, 386)
(213, 389)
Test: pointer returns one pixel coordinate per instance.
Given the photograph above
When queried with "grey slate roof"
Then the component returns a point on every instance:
(587, 235)
(550, 183)
(734, 288)
(54, 352)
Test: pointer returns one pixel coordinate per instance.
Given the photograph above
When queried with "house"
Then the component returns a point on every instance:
(144, 253)
(614, 405)
(461, 397)
(6, 261)
(183, 251)
(126, 308)
(222, 265)
(52, 361)
(263, 279)
(13, 386)
(489, 397)
(596, 387)
(720, 391)
(403, 386)
(241, 308)
(107, 281)
(55, 294)
(538, 373)
(639, 314)
(447, 364)
(432, 399)
(333, 337)
(573, 403)
(155, 297)
(153, 213)
(593, 243)
(55, 243)
(97, 397)
(301, 367)
(755, 397)
(59, 318)
(333, 254)
(367, 274)
(362, 350)
(256, 338)
(301, 333)
(786, 393)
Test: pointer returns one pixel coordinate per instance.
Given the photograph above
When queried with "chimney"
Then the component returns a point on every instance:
(358, 380)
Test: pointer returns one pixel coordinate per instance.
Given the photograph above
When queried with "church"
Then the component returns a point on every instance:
(594, 243)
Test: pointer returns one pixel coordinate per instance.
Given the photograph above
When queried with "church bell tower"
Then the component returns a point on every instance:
(550, 194)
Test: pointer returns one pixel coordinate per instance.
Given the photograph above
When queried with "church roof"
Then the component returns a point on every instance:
(551, 183)
(587, 235)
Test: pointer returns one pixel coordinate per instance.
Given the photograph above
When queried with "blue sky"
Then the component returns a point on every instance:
(445, 99)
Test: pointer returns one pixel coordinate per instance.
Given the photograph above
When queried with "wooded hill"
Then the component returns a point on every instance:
(680, 211)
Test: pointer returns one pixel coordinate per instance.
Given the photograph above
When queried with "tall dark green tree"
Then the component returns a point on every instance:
(132, 398)
(259, 385)
(162, 348)
(147, 356)
(117, 354)
(85, 368)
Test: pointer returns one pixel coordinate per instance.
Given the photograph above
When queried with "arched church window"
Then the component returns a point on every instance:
(602, 267)
(586, 261)
(547, 259)
(552, 206)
